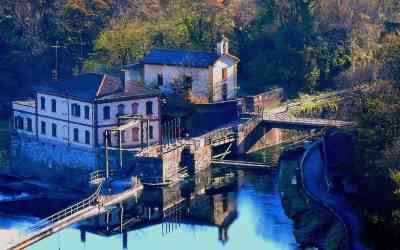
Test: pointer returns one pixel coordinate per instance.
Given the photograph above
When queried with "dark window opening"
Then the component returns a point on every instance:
(42, 103)
(18, 122)
(53, 105)
(87, 137)
(54, 130)
(87, 112)
(149, 108)
(160, 80)
(29, 124)
(224, 92)
(121, 109)
(76, 135)
(106, 113)
(43, 128)
(76, 110)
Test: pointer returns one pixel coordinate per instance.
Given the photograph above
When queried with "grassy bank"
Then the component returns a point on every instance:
(314, 225)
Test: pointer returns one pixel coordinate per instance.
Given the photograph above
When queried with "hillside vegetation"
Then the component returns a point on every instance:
(301, 45)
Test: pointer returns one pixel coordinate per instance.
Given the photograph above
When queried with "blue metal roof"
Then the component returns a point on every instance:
(95, 87)
(176, 57)
(83, 86)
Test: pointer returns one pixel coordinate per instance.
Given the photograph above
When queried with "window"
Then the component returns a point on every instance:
(54, 130)
(135, 108)
(135, 134)
(121, 109)
(187, 82)
(18, 122)
(123, 136)
(87, 112)
(53, 106)
(151, 132)
(224, 92)
(76, 110)
(43, 128)
(87, 137)
(29, 124)
(160, 80)
(42, 103)
(106, 113)
(149, 107)
(76, 135)
(224, 74)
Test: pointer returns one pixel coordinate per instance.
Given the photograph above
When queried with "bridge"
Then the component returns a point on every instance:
(94, 205)
(276, 119)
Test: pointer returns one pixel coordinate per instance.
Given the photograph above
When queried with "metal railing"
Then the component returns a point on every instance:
(99, 175)
(311, 121)
(90, 201)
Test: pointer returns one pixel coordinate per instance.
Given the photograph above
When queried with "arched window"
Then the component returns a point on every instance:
(53, 105)
(135, 134)
(149, 108)
(42, 103)
(106, 113)
(87, 112)
(135, 108)
(121, 109)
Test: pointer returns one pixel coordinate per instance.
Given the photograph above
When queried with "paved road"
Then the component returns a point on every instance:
(314, 182)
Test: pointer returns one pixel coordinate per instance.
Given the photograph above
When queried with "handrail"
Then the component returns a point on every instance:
(65, 212)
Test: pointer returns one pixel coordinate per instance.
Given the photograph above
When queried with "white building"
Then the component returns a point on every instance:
(202, 77)
(77, 111)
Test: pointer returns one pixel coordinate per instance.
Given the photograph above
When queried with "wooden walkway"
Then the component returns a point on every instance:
(83, 210)
(245, 165)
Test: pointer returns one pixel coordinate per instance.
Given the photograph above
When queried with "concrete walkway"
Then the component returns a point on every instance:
(314, 182)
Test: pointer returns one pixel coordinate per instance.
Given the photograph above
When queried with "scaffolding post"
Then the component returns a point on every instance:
(120, 147)
(106, 153)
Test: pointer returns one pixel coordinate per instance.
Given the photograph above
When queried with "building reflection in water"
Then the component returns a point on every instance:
(208, 198)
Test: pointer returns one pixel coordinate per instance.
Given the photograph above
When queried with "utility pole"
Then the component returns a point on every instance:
(82, 52)
(57, 46)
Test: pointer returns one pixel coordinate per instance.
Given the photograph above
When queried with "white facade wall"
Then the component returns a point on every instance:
(25, 112)
(173, 74)
(201, 78)
(220, 64)
(64, 120)
(66, 123)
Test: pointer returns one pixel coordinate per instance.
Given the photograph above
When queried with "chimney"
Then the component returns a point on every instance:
(223, 46)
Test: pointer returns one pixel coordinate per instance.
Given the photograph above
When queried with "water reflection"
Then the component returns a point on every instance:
(221, 209)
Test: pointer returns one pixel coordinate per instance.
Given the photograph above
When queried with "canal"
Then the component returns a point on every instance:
(220, 209)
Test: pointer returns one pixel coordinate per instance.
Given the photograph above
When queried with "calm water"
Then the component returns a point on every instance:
(246, 214)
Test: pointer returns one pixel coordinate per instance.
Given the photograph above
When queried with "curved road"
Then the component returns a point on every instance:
(314, 182)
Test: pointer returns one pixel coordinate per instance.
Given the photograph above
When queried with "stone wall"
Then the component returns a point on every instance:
(268, 99)
(256, 135)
